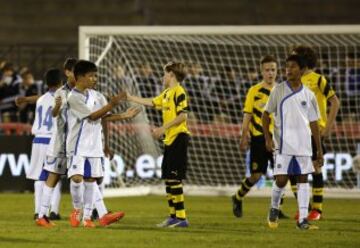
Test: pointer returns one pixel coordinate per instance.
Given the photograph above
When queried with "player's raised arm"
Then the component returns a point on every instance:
(57, 107)
(139, 100)
(115, 100)
(26, 100)
(128, 114)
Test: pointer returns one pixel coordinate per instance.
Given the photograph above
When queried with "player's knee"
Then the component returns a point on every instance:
(90, 180)
(281, 181)
(52, 179)
(318, 170)
(77, 178)
(303, 179)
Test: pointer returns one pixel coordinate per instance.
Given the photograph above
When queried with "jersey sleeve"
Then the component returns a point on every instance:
(325, 87)
(271, 105)
(157, 101)
(181, 102)
(78, 106)
(249, 101)
(314, 113)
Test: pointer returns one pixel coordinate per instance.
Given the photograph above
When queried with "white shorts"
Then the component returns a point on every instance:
(293, 165)
(55, 165)
(88, 167)
(38, 154)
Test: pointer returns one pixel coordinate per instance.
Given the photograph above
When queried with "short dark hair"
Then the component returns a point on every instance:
(268, 59)
(82, 67)
(25, 73)
(8, 67)
(69, 64)
(53, 77)
(177, 68)
(308, 53)
(300, 60)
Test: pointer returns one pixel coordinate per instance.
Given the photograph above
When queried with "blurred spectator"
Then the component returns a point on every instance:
(352, 86)
(226, 95)
(149, 87)
(8, 91)
(197, 86)
(119, 78)
(27, 87)
(251, 78)
(352, 74)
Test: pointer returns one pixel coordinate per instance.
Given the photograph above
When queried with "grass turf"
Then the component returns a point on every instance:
(211, 219)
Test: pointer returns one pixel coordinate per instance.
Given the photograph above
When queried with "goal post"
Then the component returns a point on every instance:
(222, 63)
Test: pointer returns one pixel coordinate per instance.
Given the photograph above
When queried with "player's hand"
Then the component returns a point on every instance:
(244, 142)
(270, 145)
(132, 112)
(158, 132)
(115, 100)
(325, 133)
(19, 101)
(58, 102)
(108, 153)
(319, 162)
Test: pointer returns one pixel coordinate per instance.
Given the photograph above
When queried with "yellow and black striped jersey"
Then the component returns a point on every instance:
(172, 102)
(322, 90)
(255, 102)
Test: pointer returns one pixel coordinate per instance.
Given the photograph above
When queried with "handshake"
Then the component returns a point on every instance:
(121, 96)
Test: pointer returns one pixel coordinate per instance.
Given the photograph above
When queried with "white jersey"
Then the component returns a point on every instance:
(57, 146)
(43, 125)
(294, 110)
(85, 136)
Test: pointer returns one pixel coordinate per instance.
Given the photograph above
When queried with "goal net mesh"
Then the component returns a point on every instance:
(221, 68)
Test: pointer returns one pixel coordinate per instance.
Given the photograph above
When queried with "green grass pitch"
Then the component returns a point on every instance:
(211, 219)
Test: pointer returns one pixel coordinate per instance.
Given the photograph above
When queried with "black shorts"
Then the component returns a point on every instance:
(174, 163)
(314, 149)
(259, 156)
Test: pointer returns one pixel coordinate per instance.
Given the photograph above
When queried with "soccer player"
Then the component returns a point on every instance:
(42, 129)
(174, 105)
(325, 94)
(55, 162)
(296, 119)
(84, 144)
(255, 102)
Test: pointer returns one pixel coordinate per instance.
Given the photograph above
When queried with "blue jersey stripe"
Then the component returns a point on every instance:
(41, 140)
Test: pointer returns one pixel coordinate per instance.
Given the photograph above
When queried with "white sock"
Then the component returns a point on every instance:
(45, 200)
(89, 196)
(276, 196)
(303, 199)
(77, 194)
(99, 202)
(56, 197)
(38, 188)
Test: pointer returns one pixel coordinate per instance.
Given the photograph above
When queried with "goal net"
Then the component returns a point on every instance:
(222, 63)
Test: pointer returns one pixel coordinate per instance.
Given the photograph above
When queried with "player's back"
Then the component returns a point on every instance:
(43, 122)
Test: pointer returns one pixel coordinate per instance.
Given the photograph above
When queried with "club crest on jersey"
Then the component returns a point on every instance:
(303, 103)
(278, 166)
